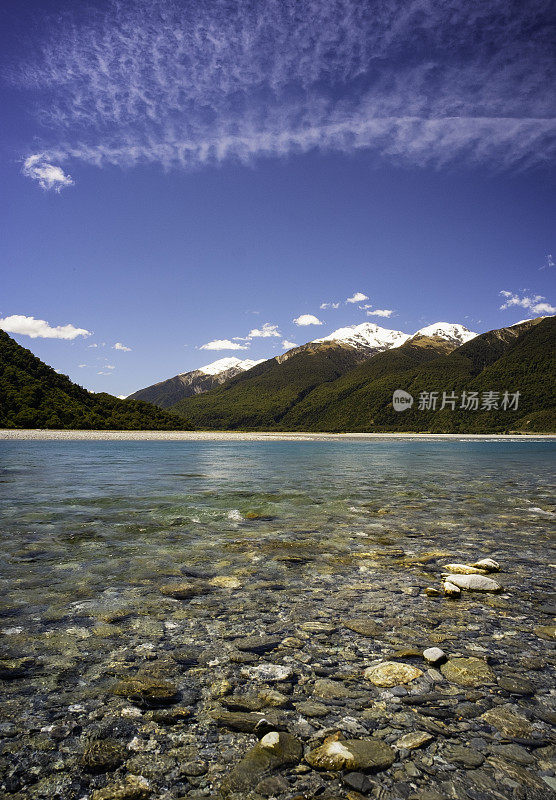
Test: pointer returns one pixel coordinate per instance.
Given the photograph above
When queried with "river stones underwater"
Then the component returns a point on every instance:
(288, 662)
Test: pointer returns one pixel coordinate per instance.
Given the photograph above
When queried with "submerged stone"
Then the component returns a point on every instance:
(363, 626)
(413, 740)
(467, 671)
(147, 691)
(391, 673)
(104, 755)
(354, 754)
(507, 721)
(184, 590)
(271, 752)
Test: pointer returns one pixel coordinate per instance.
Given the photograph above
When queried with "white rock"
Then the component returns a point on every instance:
(268, 672)
(434, 655)
(450, 589)
(473, 583)
(487, 563)
(464, 569)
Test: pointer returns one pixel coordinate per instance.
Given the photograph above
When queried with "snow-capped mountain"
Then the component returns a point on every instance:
(224, 364)
(451, 331)
(371, 337)
(368, 336)
(166, 393)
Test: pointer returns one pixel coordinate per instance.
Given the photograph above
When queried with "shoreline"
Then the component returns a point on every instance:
(17, 434)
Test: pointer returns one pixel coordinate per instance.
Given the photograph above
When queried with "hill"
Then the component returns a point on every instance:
(33, 395)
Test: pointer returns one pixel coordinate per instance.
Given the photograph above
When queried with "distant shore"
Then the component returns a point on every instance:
(246, 436)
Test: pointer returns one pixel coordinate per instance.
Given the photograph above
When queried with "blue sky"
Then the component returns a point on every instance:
(179, 174)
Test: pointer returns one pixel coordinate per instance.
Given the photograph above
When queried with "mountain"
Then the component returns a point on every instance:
(167, 393)
(367, 336)
(457, 334)
(33, 395)
(310, 396)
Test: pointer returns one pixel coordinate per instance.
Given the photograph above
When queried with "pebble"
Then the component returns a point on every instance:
(391, 673)
(434, 655)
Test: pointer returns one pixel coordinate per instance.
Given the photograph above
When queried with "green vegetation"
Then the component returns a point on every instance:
(307, 393)
(33, 395)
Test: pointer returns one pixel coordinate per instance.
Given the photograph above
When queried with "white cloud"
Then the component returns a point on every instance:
(324, 306)
(104, 373)
(307, 319)
(121, 396)
(534, 303)
(39, 328)
(92, 345)
(48, 175)
(358, 297)
(223, 344)
(266, 331)
(110, 366)
(549, 262)
(380, 312)
(120, 346)
(288, 345)
(82, 365)
(187, 84)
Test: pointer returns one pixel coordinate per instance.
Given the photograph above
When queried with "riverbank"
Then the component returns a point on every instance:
(252, 436)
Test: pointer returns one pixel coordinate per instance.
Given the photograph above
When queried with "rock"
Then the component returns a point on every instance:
(11, 668)
(516, 685)
(147, 692)
(353, 755)
(185, 591)
(450, 589)
(248, 722)
(513, 752)
(466, 756)
(473, 583)
(187, 655)
(358, 781)
(271, 673)
(257, 644)
(487, 564)
(193, 768)
(274, 698)
(134, 788)
(467, 671)
(413, 740)
(434, 655)
(272, 786)
(225, 582)
(309, 709)
(391, 673)
(363, 626)
(332, 690)
(104, 755)
(272, 751)
(463, 569)
(507, 721)
(430, 591)
(547, 632)
(317, 627)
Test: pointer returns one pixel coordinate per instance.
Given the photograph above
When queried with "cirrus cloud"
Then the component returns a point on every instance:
(40, 328)
(48, 175)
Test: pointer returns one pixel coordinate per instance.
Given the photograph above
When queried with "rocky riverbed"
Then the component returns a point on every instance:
(275, 659)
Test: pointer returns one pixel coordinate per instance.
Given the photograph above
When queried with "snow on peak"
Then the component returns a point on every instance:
(231, 362)
(451, 331)
(368, 335)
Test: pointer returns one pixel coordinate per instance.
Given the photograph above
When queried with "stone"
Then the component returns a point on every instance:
(225, 582)
(430, 591)
(507, 721)
(185, 590)
(463, 569)
(434, 655)
(187, 655)
(391, 673)
(473, 583)
(309, 709)
(450, 589)
(488, 564)
(11, 668)
(272, 751)
(147, 692)
(353, 755)
(516, 685)
(248, 722)
(363, 626)
(272, 786)
(513, 752)
(468, 757)
(317, 627)
(135, 787)
(257, 644)
(103, 755)
(413, 740)
(467, 671)
(358, 781)
(547, 632)
(272, 673)
(331, 690)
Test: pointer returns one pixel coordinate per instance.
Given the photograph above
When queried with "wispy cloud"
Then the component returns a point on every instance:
(120, 346)
(380, 312)
(186, 84)
(358, 297)
(549, 263)
(264, 332)
(535, 303)
(325, 306)
(48, 175)
(40, 328)
(307, 319)
(223, 344)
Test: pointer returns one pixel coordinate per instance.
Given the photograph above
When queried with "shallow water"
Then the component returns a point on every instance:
(309, 530)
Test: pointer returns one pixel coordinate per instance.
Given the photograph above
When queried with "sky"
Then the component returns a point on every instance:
(186, 181)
